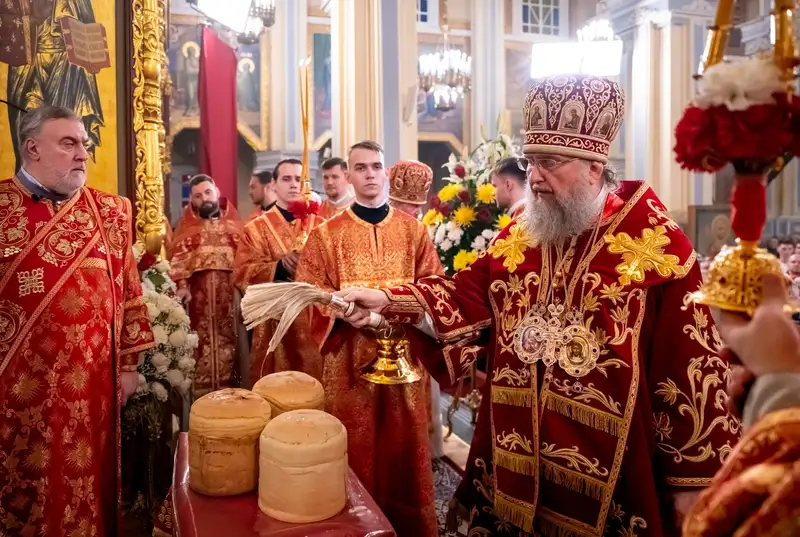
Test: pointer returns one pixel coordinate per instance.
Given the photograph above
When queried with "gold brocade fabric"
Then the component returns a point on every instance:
(202, 259)
(328, 210)
(267, 240)
(72, 319)
(387, 426)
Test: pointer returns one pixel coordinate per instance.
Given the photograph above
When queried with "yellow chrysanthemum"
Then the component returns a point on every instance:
(449, 192)
(463, 259)
(464, 216)
(485, 193)
(502, 221)
(432, 217)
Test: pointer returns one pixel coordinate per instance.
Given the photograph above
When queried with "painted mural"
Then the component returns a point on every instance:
(184, 69)
(435, 122)
(518, 79)
(321, 63)
(37, 66)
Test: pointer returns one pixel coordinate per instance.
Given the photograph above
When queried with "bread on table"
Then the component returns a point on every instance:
(303, 467)
(224, 427)
(290, 390)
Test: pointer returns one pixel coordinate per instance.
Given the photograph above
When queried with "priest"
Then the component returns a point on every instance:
(372, 244)
(203, 252)
(73, 324)
(604, 413)
(262, 193)
(269, 252)
(509, 179)
(334, 180)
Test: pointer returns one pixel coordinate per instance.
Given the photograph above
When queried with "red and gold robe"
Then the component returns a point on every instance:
(202, 260)
(72, 319)
(387, 426)
(328, 210)
(267, 239)
(576, 448)
(757, 492)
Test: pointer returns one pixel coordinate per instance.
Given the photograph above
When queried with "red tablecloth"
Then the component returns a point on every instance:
(196, 515)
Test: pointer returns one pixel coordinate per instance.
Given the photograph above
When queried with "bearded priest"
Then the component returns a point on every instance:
(604, 411)
(269, 252)
(372, 244)
(73, 324)
(203, 252)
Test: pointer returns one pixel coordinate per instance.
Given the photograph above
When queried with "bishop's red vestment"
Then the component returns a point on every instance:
(72, 318)
(605, 390)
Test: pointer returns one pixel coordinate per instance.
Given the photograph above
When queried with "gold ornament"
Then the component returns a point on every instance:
(734, 278)
(148, 45)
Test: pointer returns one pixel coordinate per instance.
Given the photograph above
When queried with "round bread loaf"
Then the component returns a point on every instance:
(223, 441)
(290, 390)
(303, 463)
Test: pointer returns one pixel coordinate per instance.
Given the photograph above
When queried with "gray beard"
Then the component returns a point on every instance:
(553, 220)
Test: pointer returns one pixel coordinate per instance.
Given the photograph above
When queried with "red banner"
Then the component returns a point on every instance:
(217, 98)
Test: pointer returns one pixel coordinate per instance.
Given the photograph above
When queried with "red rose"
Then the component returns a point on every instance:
(761, 133)
(460, 171)
(694, 140)
(146, 261)
(484, 215)
(302, 209)
(444, 210)
(436, 202)
(464, 196)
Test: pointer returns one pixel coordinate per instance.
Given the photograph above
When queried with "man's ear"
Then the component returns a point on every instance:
(596, 171)
(347, 176)
(31, 149)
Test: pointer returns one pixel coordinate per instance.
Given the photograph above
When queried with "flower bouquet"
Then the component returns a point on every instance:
(168, 368)
(464, 217)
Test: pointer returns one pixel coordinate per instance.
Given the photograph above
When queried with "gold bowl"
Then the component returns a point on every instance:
(734, 279)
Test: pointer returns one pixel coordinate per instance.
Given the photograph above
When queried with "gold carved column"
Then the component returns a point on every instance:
(148, 57)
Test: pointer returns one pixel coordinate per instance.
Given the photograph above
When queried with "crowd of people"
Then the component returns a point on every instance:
(604, 410)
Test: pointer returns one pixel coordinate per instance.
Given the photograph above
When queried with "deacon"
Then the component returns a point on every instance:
(371, 244)
(73, 324)
(205, 244)
(757, 492)
(334, 179)
(509, 179)
(409, 184)
(269, 252)
(262, 193)
(604, 413)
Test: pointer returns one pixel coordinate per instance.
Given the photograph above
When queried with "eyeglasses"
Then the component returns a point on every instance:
(545, 163)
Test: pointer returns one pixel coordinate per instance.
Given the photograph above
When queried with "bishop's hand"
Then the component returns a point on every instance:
(366, 301)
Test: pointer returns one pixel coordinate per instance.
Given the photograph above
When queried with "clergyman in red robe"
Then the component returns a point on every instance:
(73, 324)
(603, 414)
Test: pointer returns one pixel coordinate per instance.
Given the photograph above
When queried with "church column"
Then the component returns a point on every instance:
(488, 68)
(356, 72)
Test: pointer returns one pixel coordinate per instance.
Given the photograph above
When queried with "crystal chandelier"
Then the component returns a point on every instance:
(446, 74)
(261, 16)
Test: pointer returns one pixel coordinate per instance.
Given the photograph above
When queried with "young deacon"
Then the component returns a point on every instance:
(334, 179)
(262, 193)
(604, 414)
(204, 248)
(370, 244)
(269, 253)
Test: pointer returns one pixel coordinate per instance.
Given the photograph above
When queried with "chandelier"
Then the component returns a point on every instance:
(245, 18)
(446, 74)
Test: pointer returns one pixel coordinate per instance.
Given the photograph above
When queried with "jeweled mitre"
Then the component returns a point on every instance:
(410, 181)
(573, 115)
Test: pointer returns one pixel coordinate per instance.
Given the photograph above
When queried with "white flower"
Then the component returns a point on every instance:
(174, 377)
(488, 234)
(738, 85)
(159, 359)
(152, 311)
(441, 233)
(147, 286)
(162, 266)
(446, 245)
(142, 380)
(451, 226)
(137, 252)
(186, 385)
(479, 243)
(454, 235)
(160, 335)
(178, 338)
(177, 315)
(160, 392)
(186, 364)
(192, 340)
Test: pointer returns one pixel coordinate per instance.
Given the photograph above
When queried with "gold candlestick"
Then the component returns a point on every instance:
(717, 36)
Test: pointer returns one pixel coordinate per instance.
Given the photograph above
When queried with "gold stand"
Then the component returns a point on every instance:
(393, 364)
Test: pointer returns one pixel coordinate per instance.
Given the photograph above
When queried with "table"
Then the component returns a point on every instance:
(196, 515)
